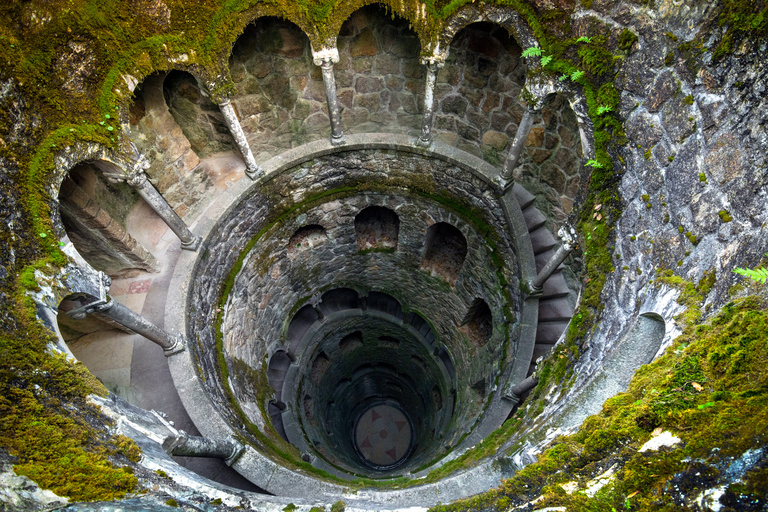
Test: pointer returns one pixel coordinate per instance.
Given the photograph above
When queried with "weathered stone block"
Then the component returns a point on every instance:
(454, 104)
(496, 140)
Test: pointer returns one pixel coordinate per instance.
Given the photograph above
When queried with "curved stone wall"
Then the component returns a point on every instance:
(272, 284)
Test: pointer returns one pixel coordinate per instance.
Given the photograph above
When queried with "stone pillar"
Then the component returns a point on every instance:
(514, 393)
(429, 101)
(195, 446)
(518, 143)
(325, 59)
(252, 169)
(137, 178)
(106, 306)
(568, 236)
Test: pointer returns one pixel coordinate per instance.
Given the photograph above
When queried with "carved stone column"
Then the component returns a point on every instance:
(137, 178)
(433, 65)
(252, 169)
(568, 236)
(534, 92)
(325, 59)
(104, 305)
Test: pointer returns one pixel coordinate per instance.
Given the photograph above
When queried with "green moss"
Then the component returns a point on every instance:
(290, 507)
(702, 177)
(338, 506)
(725, 216)
(688, 99)
(45, 420)
(626, 39)
(707, 400)
(172, 503)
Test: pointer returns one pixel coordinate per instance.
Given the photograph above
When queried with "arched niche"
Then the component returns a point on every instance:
(445, 251)
(306, 238)
(200, 119)
(551, 163)
(377, 229)
(173, 166)
(477, 105)
(351, 341)
(478, 322)
(95, 213)
(380, 79)
(278, 93)
(339, 299)
(276, 370)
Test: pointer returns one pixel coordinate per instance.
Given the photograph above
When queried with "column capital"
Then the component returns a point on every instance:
(325, 56)
(437, 60)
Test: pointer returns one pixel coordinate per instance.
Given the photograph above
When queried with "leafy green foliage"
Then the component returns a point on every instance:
(533, 51)
(760, 274)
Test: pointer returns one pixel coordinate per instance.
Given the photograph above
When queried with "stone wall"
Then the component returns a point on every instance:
(279, 94)
(379, 76)
(271, 285)
(478, 110)
(268, 309)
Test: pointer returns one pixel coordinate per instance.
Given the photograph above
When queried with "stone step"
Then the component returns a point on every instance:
(524, 198)
(541, 349)
(555, 287)
(534, 219)
(555, 309)
(542, 240)
(549, 332)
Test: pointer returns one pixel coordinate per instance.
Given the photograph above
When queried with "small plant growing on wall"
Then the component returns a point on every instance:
(760, 274)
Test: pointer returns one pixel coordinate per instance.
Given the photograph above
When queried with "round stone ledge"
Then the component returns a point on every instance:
(259, 468)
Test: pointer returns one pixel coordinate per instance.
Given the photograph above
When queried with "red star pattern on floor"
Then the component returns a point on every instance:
(383, 435)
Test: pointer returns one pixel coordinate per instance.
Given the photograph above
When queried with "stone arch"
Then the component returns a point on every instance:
(306, 238)
(173, 166)
(478, 322)
(93, 211)
(339, 299)
(348, 10)
(377, 228)
(300, 324)
(380, 79)
(278, 94)
(477, 94)
(445, 251)
(505, 17)
(198, 116)
(351, 341)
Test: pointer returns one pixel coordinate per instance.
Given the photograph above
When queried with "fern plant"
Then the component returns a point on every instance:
(759, 274)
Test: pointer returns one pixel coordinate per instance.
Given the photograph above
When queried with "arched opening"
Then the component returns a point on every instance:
(276, 370)
(199, 118)
(379, 77)
(478, 322)
(339, 299)
(306, 238)
(477, 108)
(95, 214)
(446, 249)
(175, 168)
(279, 95)
(351, 341)
(377, 229)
